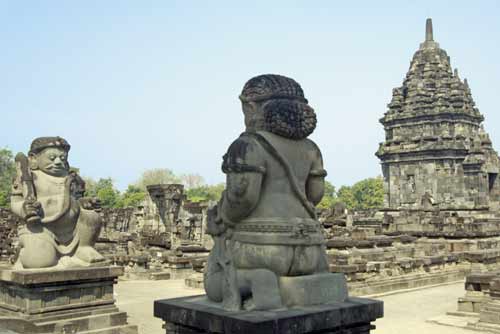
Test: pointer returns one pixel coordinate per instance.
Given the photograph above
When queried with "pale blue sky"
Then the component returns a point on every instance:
(135, 85)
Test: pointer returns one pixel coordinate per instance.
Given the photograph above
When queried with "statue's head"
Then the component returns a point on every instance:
(277, 104)
(50, 155)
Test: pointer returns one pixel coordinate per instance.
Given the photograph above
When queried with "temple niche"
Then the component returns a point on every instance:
(436, 153)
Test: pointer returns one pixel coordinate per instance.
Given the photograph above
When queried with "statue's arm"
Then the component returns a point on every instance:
(28, 209)
(17, 203)
(244, 171)
(315, 186)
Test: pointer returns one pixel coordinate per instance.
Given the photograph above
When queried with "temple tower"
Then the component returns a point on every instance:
(436, 153)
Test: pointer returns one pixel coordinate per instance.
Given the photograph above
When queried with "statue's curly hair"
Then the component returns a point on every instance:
(41, 143)
(286, 110)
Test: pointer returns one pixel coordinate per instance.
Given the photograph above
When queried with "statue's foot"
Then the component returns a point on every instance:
(88, 254)
(248, 304)
(66, 262)
(264, 287)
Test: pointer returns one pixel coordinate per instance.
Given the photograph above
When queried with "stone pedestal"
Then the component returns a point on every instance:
(489, 314)
(477, 292)
(61, 301)
(197, 314)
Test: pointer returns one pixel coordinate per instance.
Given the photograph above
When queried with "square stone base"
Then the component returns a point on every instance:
(313, 289)
(61, 301)
(197, 314)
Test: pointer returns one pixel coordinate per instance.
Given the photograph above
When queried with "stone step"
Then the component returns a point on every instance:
(74, 313)
(463, 314)
(91, 322)
(124, 329)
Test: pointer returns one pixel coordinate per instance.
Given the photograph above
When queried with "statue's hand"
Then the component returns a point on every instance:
(90, 203)
(32, 211)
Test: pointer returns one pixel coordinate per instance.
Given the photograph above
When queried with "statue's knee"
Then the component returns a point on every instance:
(261, 276)
(264, 288)
(38, 253)
(89, 226)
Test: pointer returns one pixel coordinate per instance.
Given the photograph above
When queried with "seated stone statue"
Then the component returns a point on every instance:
(268, 244)
(60, 226)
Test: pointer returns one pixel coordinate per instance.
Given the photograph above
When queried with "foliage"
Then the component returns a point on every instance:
(104, 190)
(365, 194)
(132, 197)
(7, 174)
(329, 198)
(369, 193)
(346, 196)
(157, 176)
(90, 186)
(205, 193)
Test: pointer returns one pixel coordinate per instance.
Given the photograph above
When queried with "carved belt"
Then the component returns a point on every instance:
(262, 228)
(279, 231)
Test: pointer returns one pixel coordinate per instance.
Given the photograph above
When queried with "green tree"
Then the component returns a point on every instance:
(346, 196)
(90, 187)
(132, 197)
(365, 194)
(105, 191)
(7, 174)
(329, 198)
(369, 193)
(205, 193)
(157, 176)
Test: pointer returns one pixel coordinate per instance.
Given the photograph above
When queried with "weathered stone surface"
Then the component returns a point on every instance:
(160, 276)
(312, 289)
(199, 315)
(489, 313)
(8, 233)
(436, 153)
(59, 226)
(37, 276)
(61, 301)
(265, 226)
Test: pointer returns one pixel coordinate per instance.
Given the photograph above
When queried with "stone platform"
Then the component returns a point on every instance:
(197, 314)
(61, 301)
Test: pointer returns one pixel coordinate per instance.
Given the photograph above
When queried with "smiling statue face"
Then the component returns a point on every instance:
(53, 161)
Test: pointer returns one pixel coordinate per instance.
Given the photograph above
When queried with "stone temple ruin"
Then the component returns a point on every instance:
(440, 217)
(163, 237)
(440, 169)
(436, 153)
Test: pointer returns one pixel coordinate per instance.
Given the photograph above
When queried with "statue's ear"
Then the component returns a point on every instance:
(33, 161)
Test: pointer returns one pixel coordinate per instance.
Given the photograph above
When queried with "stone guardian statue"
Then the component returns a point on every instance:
(269, 247)
(60, 225)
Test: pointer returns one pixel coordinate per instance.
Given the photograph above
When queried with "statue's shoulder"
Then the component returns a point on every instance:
(244, 146)
(311, 144)
(243, 155)
(312, 148)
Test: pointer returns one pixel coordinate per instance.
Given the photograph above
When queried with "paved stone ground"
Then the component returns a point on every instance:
(408, 312)
(136, 298)
(404, 312)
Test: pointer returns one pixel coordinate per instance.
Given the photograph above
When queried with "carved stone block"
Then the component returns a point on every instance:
(197, 314)
(61, 301)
